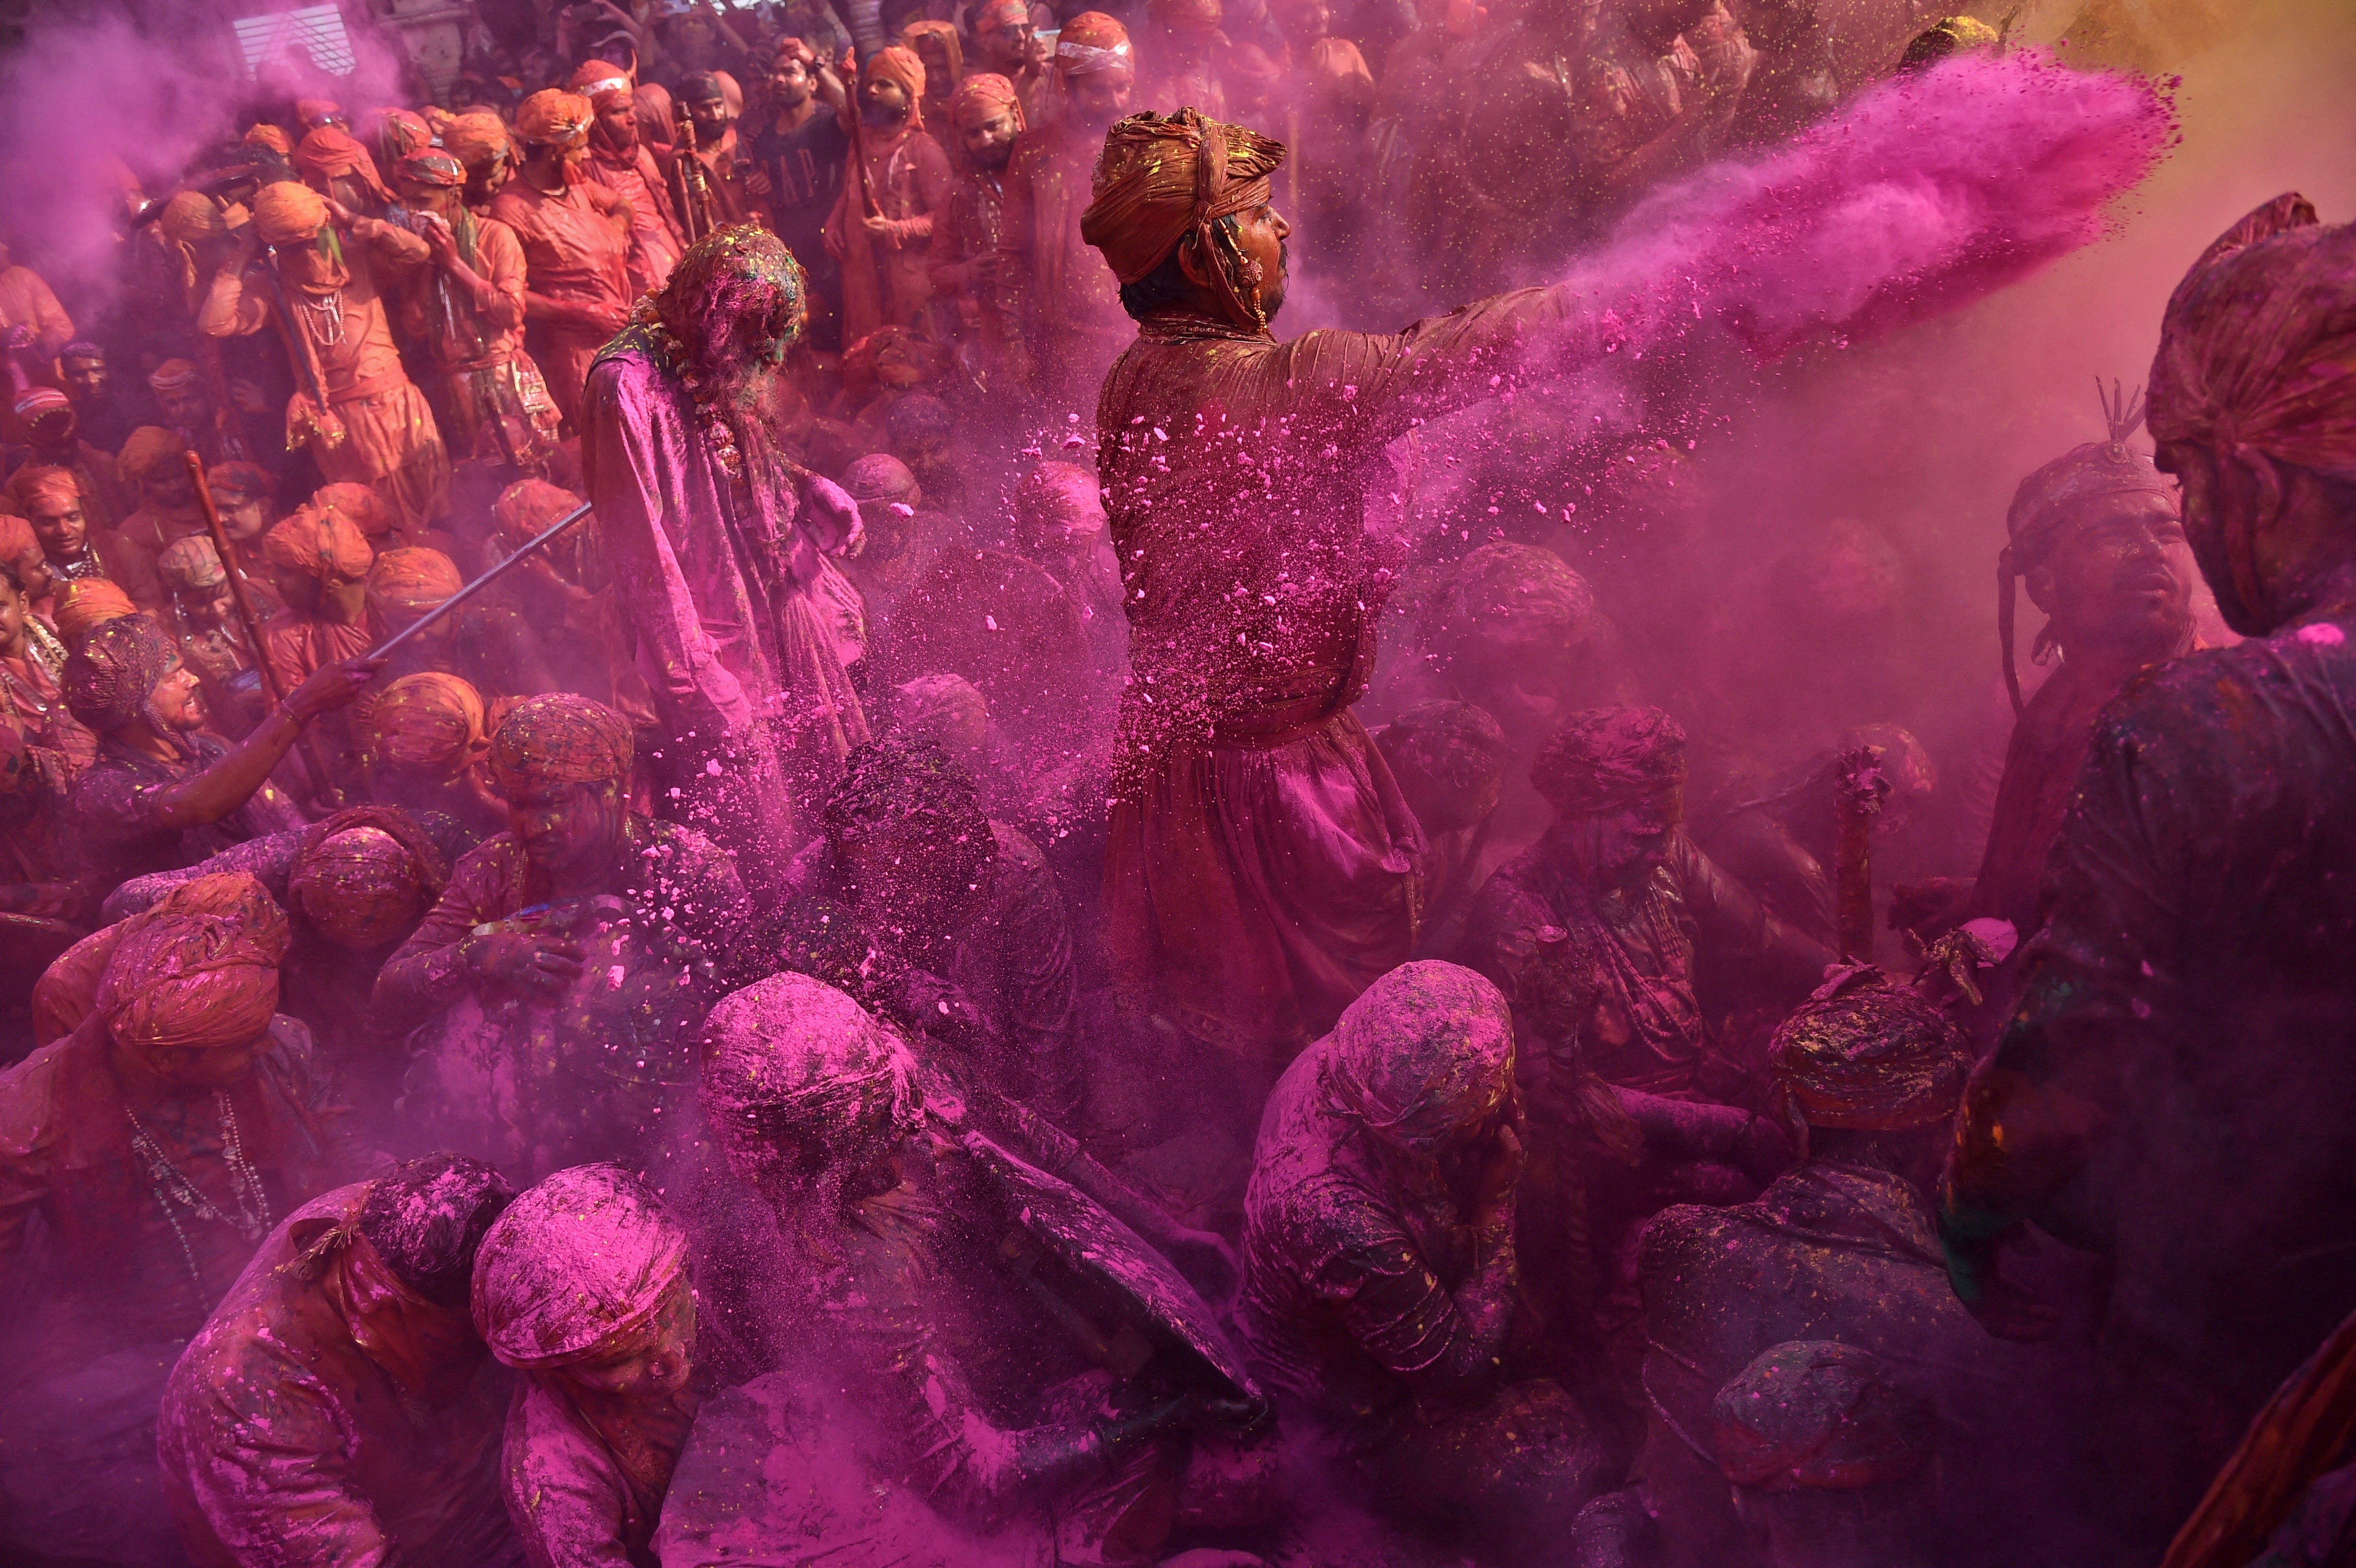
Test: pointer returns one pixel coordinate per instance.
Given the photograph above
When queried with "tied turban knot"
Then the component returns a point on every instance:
(555, 118)
(1164, 177)
(430, 720)
(285, 213)
(1606, 758)
(318, 543)
(191, 565)
(87, 604)
(364, 876)
(1820, 1415)
(1092, 42)
(1868, 1054)
(148, 448)
(579, 1266)
(980, 97)
(412, 580)
(560, 738)
(328, 153)
(790, 1061)
(1424, 1054)
(194, 977)
(477, 139)
(357, 505)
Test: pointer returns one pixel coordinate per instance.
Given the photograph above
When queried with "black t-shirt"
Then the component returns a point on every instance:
(805, 168)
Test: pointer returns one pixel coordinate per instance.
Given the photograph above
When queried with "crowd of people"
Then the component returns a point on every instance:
(741, 831)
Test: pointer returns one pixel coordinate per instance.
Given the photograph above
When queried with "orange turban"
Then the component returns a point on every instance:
(555, 118)
(199, 970)
(357, 505)
(475, 138)
(429, 721)
(272, 137)
(1867, 1054)
(1187, 15)
(44, 481)
(148, 446)
(312, 112)
(365, 876)
(17, 540)
(66, 991)
(899, 63)
(1093, 41)
(328, 153)
(559, 738)
(1164, 176)
(528, 506)
(412, 580)
(322, 544)
(88, 602)
(285, 213)
(191, 215)
(982, 96)
(397, 132)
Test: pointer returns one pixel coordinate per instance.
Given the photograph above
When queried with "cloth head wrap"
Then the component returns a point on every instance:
(272, 137)
(285, 213)
(39, 400)
(2053, 496)
(1820, 1415)
(993, 14)
(901, 64)
(898, 785)
(185, 979)
(147, 449)
(937, 705)
(528, 506)
(242, 479)
(68, 989)
(115, 664)
(191, 565)
(19, 544)
(171, 375)
(365, 876)
(191, 215)
(790, 1061)
(559, 738)
(312, 112)
(1092, 42)
(319, 544)
(1187, 15)
(357, 505)
(946, 34)
(87, 604)
(555, 118)
(1162, 177)
(600, 82)
(412, 580)
(1425, 1054)
(394, 134)
(983, 96)
(45, 482)
(1051, 495)
(577, 1268)
(426, 1218)
(1520, 580)
(1450, 758)
(881, 477)
(2257, 355)
(1606, 758)
(431, 722)
(430, 166)
(1867, 1054)
(328, 153)
(475, 138)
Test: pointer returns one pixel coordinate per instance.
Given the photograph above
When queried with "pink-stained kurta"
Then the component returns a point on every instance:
(715, 578)
(1262, 867)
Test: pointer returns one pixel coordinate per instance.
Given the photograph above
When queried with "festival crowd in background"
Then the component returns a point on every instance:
(1032, 929)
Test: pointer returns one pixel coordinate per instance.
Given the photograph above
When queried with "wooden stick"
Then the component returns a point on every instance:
(236, 578)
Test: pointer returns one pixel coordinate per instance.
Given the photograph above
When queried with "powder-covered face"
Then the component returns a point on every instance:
(568, 826)
(659, 1361)
(59, 524)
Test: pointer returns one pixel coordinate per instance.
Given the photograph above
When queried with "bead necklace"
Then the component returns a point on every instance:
(172, 1188)
(719, 436)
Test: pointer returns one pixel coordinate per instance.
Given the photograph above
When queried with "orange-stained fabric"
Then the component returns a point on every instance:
(431, 720)
(412, 578)
(474, 139)
(329, 1414)
(319, 543)
(68, 989)
(328, 154)
(572, 251)
(554, 116)
(360, 507)
(197, 972)
(1162, 179)
(86, 603)
(25, 301)
(285, 213)
(559, 738)
(147, 448)
(377, 428)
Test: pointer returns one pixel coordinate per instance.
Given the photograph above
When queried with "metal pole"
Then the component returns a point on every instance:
(394, 641)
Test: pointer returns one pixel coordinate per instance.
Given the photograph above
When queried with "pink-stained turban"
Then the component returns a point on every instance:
(1820, 1415)
(1425, 1054)
(365, 876)
(68, 989)
(357, 504)
(475, 140)
(791, 1062)
(146, 450)
(993, 14)
(197, 972)
(578, 1267)
(412, 581)
(1869, 1054)
(433, 721)
(1606, 758)
(285, 213)
(116, 662)
(328, 153)
(87, 604)
(983, 96)
(553, 117)
(1092, 42)
(561, 738)
(319, 544)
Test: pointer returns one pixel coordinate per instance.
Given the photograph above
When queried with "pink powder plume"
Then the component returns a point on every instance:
(1923, 194)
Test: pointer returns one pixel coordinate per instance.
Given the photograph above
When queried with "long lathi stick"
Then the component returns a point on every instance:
(485, 581)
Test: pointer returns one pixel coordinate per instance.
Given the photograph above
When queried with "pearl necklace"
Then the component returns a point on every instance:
(174, 1190)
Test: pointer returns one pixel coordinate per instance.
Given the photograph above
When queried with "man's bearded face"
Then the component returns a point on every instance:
(175, 701)
(990, 141)
(789, 83)
(1101, 97)
(568, 826)
(883, 102)
(617, 124)
(711, 117)
(60, 526)
(1003, 50)
(2120, 572)
(484, 179)
(1626, 843)
(1260, 235)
